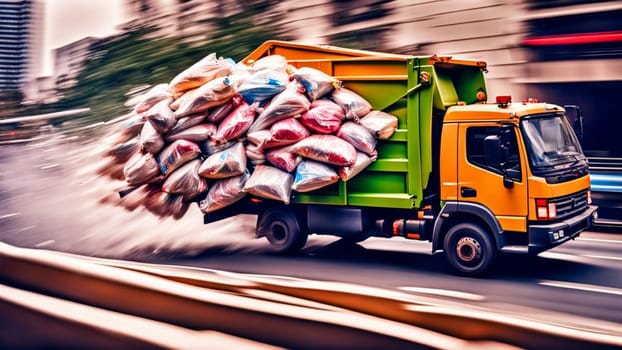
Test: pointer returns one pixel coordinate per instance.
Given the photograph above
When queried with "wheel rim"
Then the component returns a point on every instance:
(469, 250)
(278, 232)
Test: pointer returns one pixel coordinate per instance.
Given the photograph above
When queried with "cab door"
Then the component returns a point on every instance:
(481, 177)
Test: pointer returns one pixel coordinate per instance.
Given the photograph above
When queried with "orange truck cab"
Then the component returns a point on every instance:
(515, 168)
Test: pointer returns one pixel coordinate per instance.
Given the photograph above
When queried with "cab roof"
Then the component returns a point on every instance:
(495, 112)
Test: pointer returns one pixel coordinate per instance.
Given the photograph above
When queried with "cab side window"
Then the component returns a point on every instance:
(476, 151)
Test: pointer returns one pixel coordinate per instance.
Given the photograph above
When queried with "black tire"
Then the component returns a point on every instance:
(469, 249)
(281, 227)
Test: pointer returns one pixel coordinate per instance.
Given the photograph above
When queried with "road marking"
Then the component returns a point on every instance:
(445, 292)
(599, 240)
(44, 243)
(581, 286)
(563, 256)
(604, 257)
(10, 215)
(581, 258)
(25, 228)
(49, 166)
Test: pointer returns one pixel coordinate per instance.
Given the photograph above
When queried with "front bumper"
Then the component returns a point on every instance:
(543, 237)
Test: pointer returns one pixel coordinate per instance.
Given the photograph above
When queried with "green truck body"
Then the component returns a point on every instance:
(402, 172)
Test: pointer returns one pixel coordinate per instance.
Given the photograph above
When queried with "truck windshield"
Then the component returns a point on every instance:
(551, 142)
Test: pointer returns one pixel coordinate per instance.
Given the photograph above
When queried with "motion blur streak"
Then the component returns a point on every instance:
(450, 293)
(52, 321)
(274, 311)
(582, 286)
(192, 307)
(87, 198)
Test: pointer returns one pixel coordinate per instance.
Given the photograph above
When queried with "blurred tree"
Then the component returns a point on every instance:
(10, 103)
(347, 12)
(240, 32)
(117, 65)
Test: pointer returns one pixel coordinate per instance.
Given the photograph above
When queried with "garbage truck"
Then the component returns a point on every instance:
(475, 179)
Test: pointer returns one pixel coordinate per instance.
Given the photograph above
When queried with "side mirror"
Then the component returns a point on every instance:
(492, 150)
(496, 158)
(507, 182)
(575, 118)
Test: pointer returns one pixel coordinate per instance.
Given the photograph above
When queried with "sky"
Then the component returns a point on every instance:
(66, 21)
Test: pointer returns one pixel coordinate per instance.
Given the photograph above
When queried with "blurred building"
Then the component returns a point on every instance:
(186, 19)
(490, 30)
(574, 49)
(40, 90)
(69, 60)
(153, 14)
(21, 43)
(190, 17)
(562, 51)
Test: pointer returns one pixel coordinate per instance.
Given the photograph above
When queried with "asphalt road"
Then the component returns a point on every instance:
(51, 198)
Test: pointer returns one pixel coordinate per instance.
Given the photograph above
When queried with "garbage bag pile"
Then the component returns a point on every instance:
(221, 130)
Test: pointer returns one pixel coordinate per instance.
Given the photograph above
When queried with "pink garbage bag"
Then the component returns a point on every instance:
(218, 113)
(141, 169)
(316, 82)
(226, 163)
(269, 182)
(359, 136)
(150, 140)
(352, 103)
(177, 154)
(154, 95)
(236, 123)
(184, 98)
(164, 205)
(187, 122)
(211, 146)
(362, 162)
(283, 158)
(381, 124)
(213, 93)
(324, 116)
(161, 117)
(327, 149)
(195, 133)
(274, 62)
(284, 105)
(224, 192)
(288, 131)
(186, 181)
(254, 155)
(208, 68)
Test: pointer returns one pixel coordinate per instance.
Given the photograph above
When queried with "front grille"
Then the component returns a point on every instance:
(570, 205)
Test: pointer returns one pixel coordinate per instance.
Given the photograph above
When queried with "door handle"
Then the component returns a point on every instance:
(468, 192)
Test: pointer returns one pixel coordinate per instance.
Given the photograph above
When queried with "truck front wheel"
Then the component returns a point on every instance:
(469, 249)
(281, 227)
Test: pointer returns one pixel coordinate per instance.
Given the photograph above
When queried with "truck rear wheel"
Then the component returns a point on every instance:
(281, 227)
(469, 249)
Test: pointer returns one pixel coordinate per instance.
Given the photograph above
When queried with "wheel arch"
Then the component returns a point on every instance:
(454, 213)
(282, 226)
(298, 210)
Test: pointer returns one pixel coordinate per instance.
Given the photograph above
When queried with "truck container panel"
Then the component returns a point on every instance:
(391, 83)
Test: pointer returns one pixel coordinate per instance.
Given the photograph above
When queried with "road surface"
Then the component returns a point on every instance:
(52, 198)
